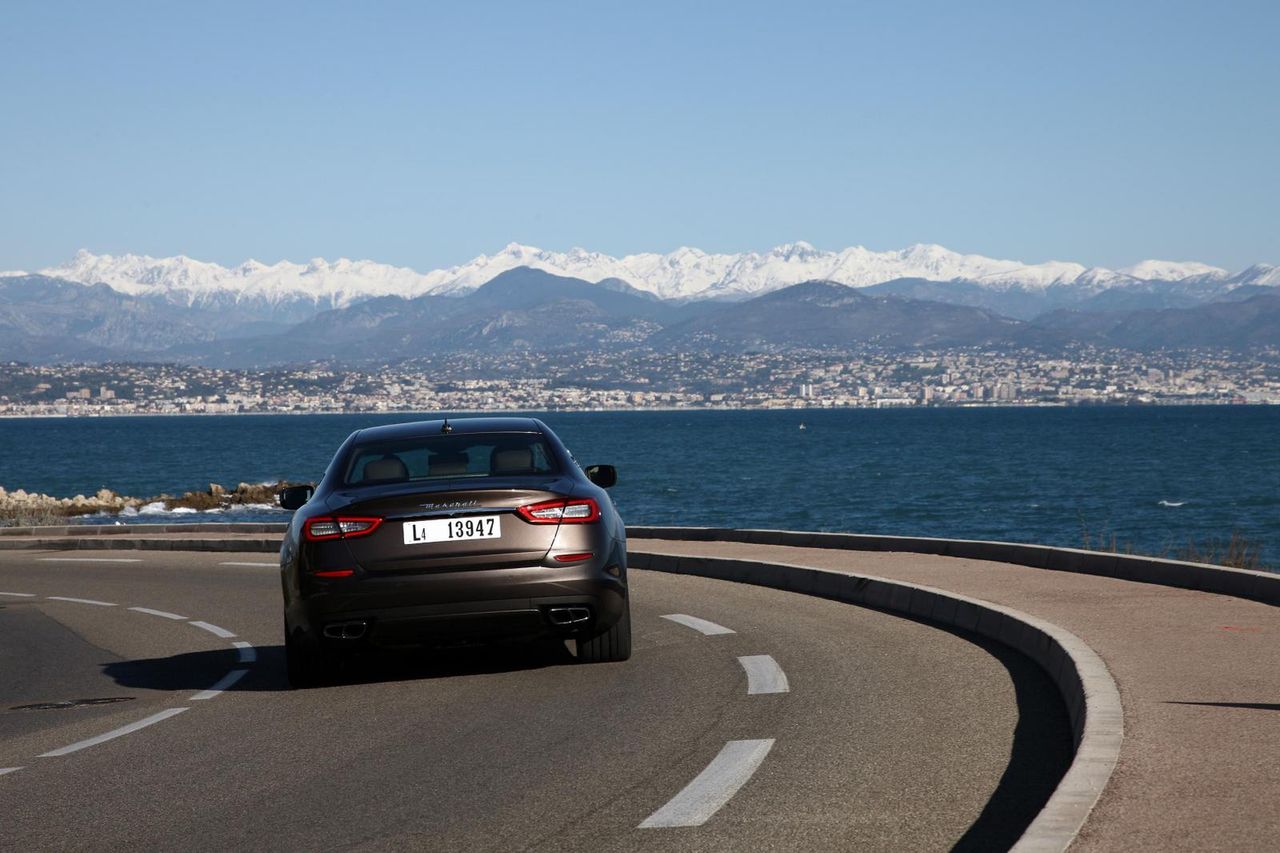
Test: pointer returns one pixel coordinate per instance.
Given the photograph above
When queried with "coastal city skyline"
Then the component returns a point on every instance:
(647, 380)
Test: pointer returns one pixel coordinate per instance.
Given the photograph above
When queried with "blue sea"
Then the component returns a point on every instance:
(1151, 478)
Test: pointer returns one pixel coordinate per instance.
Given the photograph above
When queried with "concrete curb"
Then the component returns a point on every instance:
(1082, 678)
(250, 537)
(1263, 587)
(253, 544)
(99, 530)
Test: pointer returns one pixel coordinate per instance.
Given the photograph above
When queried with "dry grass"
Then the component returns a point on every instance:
(1237, 552)
(32, 517)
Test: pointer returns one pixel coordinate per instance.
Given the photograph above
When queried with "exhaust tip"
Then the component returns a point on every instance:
(346, 630)
(569, 615)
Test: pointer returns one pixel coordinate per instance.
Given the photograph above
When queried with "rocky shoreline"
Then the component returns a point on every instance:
(23, 507)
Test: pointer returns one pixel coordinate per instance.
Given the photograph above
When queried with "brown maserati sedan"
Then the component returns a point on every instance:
(447, 531)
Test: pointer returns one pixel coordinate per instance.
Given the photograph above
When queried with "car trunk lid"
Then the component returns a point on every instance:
(453, 525)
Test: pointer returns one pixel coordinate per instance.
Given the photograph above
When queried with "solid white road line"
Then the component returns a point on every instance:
(79, 600)
(164, 613)
(713, 787)
(90, 560)
(114, 733)
(20, 594)
(213, 629)
(227, 680)
(248, 654)
(4, 770)
(260, 565)
(764, 675)
(699, 624)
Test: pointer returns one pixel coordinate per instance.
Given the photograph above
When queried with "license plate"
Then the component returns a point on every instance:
(453, 529)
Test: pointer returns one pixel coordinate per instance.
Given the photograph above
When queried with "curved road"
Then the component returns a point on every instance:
(812, 725)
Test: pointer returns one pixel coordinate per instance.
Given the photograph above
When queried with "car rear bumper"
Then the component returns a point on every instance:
(444, 607)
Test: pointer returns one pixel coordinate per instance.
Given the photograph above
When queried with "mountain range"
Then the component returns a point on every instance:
(685, 274)
(99, 307)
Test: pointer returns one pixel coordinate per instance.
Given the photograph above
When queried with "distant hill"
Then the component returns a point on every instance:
(527, 309)
(1228, 324)
(521, 309)
(45, 318)
(824, 314)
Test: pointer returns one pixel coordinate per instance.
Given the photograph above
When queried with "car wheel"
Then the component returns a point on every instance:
(305, 662)
(612, 645)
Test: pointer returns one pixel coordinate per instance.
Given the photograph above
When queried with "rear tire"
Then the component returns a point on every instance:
(306, 664)
(613, 645)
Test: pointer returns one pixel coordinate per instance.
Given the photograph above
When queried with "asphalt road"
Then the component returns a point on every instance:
(859, 730)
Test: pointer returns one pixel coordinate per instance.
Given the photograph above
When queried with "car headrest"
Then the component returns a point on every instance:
(511, 459)
(386, 468)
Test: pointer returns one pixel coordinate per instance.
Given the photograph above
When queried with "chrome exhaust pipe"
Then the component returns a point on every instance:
(568, 615)
(345, 630)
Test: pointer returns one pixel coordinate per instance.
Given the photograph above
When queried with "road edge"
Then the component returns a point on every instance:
(1263, 587)
(1079, 673)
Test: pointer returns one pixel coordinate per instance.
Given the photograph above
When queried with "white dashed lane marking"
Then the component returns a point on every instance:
(224, 683)
(90, 560)
(258, 565)
(697, 624)
(764, 675)
(4, 770)
(713, 787)
(245, 653)
(162, 613)
(213, 629)
(114, 733)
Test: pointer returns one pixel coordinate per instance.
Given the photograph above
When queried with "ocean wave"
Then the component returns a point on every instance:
(158, 508)
(1173, 503)
(254, 508)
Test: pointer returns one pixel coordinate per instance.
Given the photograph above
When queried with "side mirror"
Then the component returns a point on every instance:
(603, 476)
(295, 496)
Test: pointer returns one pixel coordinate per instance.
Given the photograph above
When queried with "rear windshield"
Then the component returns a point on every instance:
(437, 457)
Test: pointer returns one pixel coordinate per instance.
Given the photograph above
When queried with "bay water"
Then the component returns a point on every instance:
(1149, 478)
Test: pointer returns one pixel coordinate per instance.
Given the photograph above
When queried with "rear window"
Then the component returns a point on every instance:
(438, 457)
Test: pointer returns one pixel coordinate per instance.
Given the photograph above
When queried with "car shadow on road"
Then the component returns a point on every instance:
(202, 670)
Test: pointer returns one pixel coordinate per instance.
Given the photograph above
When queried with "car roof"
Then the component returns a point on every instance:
(457, 426)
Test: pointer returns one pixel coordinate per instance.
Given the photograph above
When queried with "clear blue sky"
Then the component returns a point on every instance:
(423, 134)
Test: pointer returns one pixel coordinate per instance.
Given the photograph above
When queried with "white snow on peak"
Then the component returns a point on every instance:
(686, 273)
(1260, 274)
(1172, 270)
(338, 283)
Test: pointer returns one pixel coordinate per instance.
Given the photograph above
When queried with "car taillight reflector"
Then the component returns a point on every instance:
(574, 558)
(580, 511)
(336, 573)
(339, 527)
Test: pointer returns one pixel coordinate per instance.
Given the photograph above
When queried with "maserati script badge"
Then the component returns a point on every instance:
(450, 505)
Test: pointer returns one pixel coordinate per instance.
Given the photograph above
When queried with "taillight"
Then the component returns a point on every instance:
(339, 527)
(579, 511)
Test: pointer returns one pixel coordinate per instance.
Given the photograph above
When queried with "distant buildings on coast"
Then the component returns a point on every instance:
(648, 380)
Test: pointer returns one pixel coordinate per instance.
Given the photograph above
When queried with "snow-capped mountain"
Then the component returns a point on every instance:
(685, 274)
